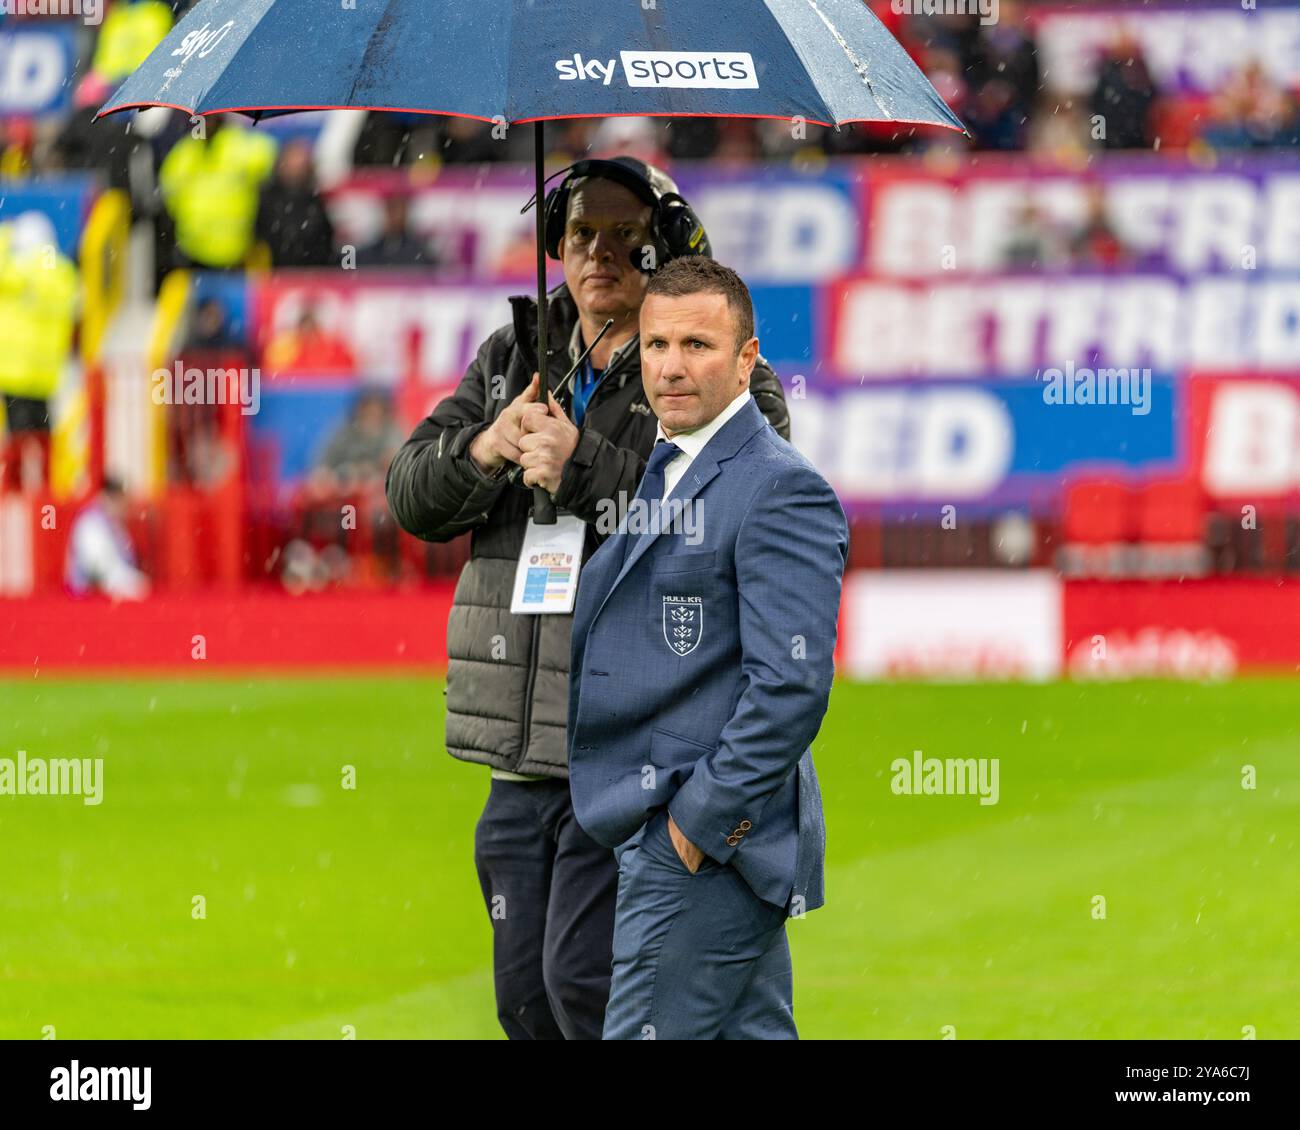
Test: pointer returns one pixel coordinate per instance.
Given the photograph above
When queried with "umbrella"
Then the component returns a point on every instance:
(827, 62)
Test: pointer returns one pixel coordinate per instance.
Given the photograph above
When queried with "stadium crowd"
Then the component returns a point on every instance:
(223, 194)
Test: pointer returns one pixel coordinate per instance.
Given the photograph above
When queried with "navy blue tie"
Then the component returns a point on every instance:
(651, 489)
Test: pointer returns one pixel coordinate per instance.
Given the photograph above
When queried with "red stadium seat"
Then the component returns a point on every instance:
(1097, 512)
(1172, 529)
(1170, 513)
(1097, 529)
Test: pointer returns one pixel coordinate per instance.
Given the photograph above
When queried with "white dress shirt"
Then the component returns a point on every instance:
(694, 441)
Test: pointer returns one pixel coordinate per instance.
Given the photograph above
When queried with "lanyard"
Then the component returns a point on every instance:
(586, 386)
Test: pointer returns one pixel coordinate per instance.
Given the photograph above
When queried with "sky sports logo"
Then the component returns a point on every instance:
(714, 70)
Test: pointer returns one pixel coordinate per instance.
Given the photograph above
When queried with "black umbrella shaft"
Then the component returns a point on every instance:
(543, 507)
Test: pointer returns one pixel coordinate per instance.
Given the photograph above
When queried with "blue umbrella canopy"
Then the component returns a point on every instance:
(825, 61)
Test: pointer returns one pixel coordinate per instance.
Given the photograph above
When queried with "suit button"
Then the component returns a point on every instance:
(732, 841)
(745, 825)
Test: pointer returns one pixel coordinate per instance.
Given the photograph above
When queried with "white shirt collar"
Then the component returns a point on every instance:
(693, 442)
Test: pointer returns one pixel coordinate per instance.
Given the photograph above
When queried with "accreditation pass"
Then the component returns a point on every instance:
(546, 578)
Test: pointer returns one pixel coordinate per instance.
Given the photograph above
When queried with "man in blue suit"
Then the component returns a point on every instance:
(703, 644)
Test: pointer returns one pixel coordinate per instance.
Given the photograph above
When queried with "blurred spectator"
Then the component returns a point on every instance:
(210, 188)
(1096, 244)
(351, 470)
(467, 141)
(359, 451)
(635, 136)
(1124, 95)
(38, 308)
(291, 218)
(105, 146)
(1252, 111)
(384, 137)
(787, 142)
(951, 31)
(17, 142)
(1002, 73)
(737, 142)
(567, 141)
(395, 247)
(1059, 130)
(1033, 242)
(691, 139)
(210, 329)
(101, 557)
(944, 69)
(308, 348)
(127, 35)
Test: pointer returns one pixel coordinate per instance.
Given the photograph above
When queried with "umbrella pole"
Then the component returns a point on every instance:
(543, 506)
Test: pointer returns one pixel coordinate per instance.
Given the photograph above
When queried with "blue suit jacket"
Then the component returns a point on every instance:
(700, 672)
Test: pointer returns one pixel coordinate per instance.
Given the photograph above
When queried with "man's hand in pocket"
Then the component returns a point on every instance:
(687, 852)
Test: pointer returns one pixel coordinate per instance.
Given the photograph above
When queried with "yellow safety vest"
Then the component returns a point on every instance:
(129, 33)
(38, 311)
(211, 187)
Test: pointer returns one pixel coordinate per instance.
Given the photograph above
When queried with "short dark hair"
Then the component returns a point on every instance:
(698, 274)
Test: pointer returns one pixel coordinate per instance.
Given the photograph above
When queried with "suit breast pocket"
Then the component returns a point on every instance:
(688, 603)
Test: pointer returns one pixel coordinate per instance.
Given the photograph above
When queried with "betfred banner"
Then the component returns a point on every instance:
(394, 327)
(966, 625)
(885, 216)
(772, 225)
(1192, 47)
(37, 65)
(994, 443)
(1157, 214)
(382, 327)
(1245, 436)
(1022, 325)
(1199, 629)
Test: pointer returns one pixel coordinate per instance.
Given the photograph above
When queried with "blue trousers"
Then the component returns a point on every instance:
(696, 956)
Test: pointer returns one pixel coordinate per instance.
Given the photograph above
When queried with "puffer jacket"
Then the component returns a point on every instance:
(507, 675)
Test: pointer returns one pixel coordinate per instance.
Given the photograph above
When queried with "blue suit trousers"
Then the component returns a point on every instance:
(697, 956)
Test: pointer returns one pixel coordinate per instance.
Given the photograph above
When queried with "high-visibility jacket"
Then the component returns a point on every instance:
(129, 33)
(38, 311)
(211, 187)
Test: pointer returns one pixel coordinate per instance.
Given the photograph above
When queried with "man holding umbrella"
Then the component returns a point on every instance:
(549, 888)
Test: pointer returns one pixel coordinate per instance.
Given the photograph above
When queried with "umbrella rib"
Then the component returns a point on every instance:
(858, 64)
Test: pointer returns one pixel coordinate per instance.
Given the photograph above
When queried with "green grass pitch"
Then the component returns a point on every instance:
(328, 907)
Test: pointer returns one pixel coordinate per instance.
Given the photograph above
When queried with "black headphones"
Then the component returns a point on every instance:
(675, 229)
